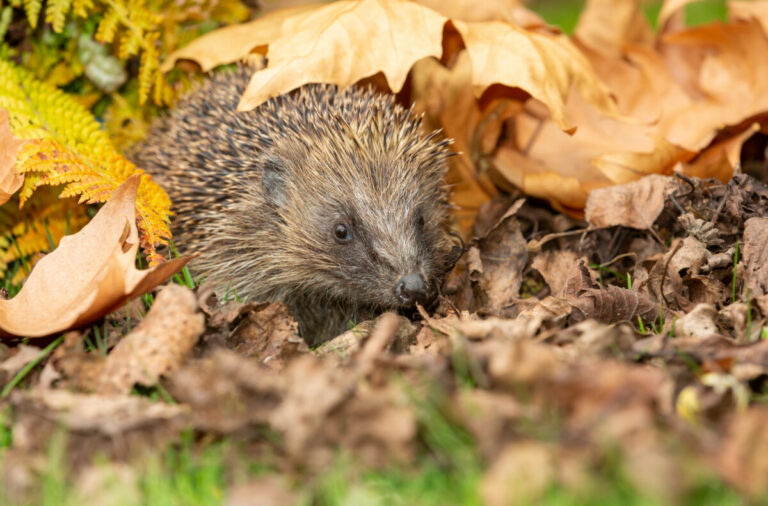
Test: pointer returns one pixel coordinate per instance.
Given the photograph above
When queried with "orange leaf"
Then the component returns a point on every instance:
(89, 275)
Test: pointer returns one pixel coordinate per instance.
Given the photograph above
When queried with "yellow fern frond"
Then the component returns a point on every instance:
(147, 67)
(70, 150)
(130, 42)
(82, 7)
(108, 26)
(56, 13)
(32, 9)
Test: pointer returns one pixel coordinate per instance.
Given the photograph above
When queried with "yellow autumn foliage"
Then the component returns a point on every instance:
(68, 150)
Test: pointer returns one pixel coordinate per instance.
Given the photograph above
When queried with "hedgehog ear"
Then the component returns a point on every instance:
(272, 181)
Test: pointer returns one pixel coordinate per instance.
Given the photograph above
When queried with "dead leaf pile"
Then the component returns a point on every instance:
(569, 368)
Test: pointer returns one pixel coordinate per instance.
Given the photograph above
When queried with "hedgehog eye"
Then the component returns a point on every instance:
(420, 221)
(342, 233)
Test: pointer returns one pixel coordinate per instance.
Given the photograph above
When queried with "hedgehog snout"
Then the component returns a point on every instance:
(411, 288)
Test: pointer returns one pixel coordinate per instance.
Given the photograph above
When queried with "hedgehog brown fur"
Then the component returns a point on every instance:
(327, 199)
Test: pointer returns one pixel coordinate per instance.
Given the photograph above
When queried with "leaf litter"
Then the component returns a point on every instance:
(558, 346)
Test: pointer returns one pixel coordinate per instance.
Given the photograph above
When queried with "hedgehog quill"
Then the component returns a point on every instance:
(330, 200)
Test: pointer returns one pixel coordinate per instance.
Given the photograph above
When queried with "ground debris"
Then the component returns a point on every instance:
(553, 360)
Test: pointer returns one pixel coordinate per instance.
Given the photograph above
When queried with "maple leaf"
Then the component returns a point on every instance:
(312, 44)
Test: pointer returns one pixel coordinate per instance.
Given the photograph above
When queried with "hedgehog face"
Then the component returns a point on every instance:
(376, 226)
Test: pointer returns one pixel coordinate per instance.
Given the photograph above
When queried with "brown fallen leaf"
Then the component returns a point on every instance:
(90, 274)
(699, 323)
(634, 205)
(606, 304)
(554, 267)
(157, 346)
(267, 331)
(311, 44)
(609, 25)
(748, 10)
(10, 180)
(756, 256)
(496, 263)
(446, 98)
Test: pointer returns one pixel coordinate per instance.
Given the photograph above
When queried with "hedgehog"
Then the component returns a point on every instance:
(328, 199)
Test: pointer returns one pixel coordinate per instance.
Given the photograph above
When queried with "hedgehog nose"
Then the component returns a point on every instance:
(411, 288)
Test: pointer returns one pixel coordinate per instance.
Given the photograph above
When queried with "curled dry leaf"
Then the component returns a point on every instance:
(157, 346)
(496, 264)
(554, 267)
(311, 44)
(609, 25)
(89, 275)
(10, 180)
(700, 323)
(756, 256)
(607, 303)
(634, 205)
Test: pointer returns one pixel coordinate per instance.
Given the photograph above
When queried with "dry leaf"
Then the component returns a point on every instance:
(634, 205)
(157, 346)
(748, 10)
(312, 44)
(609, 25)
(496, 264)
(607, 303)
(89, 275)
(756, 256)
(10, 180)
(545, 65)
(554, 267)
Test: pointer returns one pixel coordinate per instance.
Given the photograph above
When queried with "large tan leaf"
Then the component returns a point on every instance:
(694, 97)
(545, 65)
(10, 180)
(603, 151)
(346, 41)
(747, 10)
(609, 25)
(512, 11)
(90, 274)
(341, 42)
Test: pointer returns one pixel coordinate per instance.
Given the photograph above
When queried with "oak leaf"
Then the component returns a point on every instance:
(90, 274)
